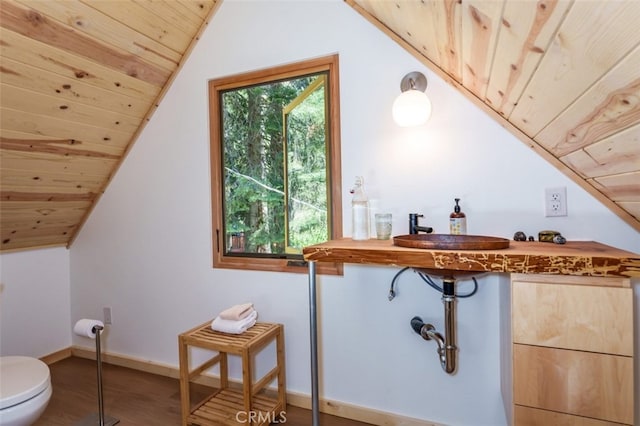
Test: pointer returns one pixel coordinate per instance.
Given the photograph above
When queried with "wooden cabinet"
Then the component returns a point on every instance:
(572, 350)
(527, 416)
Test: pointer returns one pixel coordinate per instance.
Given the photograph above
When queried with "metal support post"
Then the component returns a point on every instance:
(313, 322)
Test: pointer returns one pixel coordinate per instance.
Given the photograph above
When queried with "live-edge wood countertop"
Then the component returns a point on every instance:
(581, 258)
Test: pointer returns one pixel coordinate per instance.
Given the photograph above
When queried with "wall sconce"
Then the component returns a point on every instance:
(412, 107)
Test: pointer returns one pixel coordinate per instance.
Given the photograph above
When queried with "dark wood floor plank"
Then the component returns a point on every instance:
(134, 397)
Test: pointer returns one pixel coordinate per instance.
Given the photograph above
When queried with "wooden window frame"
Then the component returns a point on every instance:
(216, 86)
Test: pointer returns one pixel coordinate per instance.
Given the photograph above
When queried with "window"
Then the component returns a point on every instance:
(275, 165)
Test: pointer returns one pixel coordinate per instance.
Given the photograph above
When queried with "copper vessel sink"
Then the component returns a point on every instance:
(450, 242)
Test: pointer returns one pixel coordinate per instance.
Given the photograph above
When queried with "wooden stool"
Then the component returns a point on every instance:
(233, 406)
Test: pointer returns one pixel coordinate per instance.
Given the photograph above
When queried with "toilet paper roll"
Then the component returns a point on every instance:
(86, 327)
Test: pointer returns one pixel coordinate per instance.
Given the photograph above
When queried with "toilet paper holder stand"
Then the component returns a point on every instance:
(98, 418)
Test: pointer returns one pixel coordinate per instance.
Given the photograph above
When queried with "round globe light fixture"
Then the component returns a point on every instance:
(412, 107)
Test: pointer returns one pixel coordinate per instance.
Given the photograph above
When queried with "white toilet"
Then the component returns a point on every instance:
(25, 390)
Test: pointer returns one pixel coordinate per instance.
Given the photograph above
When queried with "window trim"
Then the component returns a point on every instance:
(327, 64)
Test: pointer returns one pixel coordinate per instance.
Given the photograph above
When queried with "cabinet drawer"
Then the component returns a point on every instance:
(581, 317)
(581, 383)
(527, 416)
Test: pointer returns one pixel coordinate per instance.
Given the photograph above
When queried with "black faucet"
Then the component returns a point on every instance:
(413, 224)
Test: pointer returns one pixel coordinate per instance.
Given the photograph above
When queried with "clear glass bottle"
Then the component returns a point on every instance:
(359, 211)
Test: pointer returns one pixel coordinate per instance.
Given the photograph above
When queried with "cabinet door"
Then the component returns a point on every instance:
(547, 312)
(581, 383)
(526, 416)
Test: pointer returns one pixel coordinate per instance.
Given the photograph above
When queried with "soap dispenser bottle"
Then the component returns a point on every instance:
(457, 220)
(359, 211)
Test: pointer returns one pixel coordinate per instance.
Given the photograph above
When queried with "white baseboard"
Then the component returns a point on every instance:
(335, 408)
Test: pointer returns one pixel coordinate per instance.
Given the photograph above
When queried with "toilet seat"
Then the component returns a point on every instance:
(23, 378)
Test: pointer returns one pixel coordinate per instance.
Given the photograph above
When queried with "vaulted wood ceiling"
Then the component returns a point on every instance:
(80, 79)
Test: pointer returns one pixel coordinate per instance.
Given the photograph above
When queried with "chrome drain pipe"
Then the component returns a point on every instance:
(450, 348)
(447, 349)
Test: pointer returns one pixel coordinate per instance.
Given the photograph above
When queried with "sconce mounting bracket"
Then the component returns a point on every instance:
(414, 80)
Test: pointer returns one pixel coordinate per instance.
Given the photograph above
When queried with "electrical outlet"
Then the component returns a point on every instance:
(555, 201)
(107, 315)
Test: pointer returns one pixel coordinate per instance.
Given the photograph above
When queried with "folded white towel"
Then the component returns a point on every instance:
(237, 312)
(234, 327)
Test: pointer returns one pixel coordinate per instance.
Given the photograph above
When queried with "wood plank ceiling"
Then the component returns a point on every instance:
(80, 79)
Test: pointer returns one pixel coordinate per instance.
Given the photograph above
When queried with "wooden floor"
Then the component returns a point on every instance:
(134, 397)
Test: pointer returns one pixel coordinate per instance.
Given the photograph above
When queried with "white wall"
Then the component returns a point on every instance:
(146, 249)
(35, 311)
